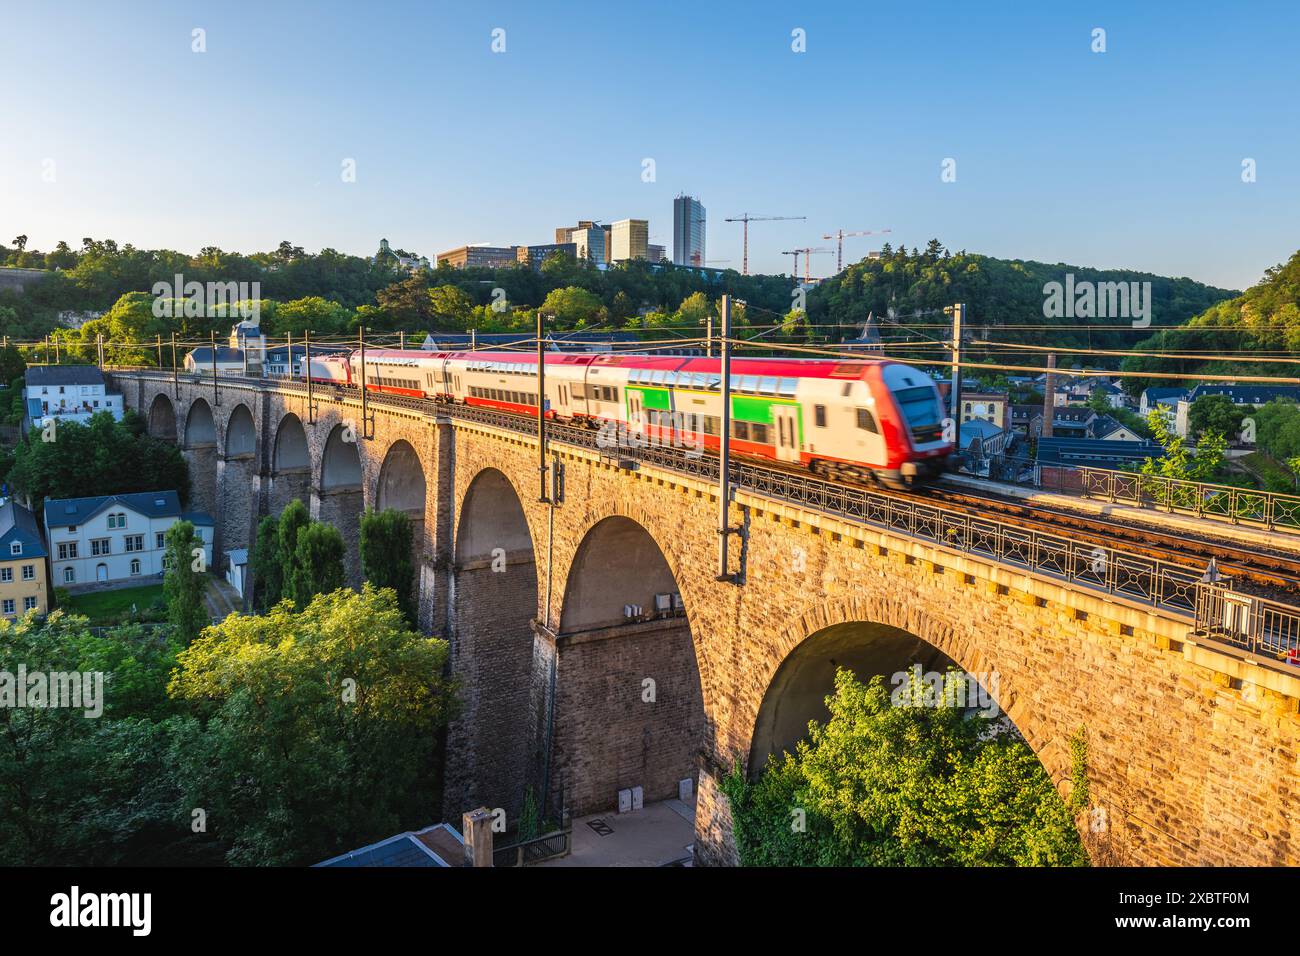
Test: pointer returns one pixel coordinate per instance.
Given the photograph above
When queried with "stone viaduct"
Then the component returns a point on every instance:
(1192, 749)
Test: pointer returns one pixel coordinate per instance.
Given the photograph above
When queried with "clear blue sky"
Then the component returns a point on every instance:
(1127, 158)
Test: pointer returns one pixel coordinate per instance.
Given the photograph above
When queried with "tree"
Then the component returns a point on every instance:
(268, 566)
(920, 783)
(1215, 413)
(572, 307)
(386, 556)
(12, 363)
(451, 307)
(184, 584)
(293, 519)
(312, 314)
(320, 725)
(317, 563)
(100, 457)
(1180, 462)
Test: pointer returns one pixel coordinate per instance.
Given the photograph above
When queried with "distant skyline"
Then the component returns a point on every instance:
(1131, 158)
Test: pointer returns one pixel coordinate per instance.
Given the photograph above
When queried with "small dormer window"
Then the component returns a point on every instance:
(16, 547)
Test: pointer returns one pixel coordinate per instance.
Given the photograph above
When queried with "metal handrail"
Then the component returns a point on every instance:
(1266, 628)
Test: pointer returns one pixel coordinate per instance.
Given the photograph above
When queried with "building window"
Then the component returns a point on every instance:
(160, 539)
(8, 607)
(6, 575)
(135, 566)
(69, 575)
(29, 572)
(67, 550)
(134, 542)
(29, 603)
(100, 546)
(16, 547)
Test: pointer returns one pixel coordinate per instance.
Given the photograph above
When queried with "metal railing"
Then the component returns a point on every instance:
(547, 846)
(1272, 510)
(1266, 628)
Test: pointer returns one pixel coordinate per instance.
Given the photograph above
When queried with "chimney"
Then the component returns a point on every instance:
(1049, 397)
(476, 827)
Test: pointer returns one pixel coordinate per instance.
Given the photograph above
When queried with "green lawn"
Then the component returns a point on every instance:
(109, 607)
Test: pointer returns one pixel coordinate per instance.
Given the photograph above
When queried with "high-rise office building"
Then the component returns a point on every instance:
(654, 252)
(589, 243)
(629, 239)
(688, 231)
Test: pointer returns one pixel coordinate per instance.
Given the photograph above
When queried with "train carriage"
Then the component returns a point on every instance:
(868, 419)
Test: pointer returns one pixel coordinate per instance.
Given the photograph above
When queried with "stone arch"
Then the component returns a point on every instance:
(340, 467)
(629, 696)
(291, 452)
(338, 498)
(497, 743)
(901, 627)
(401, 481)
(200, 427)
(241, 433)
(162, 418)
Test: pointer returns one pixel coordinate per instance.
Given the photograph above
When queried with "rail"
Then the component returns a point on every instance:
(547, 846)
(1158, 584)
(1271, 510)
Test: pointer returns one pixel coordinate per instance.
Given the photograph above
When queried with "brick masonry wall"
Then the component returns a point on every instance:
(1192, 751)
(614, 731)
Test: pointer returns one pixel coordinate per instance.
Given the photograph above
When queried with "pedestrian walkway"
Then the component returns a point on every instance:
(661, 834)
(221, 598)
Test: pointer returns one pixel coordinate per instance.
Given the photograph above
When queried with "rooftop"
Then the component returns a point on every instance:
(44, 375)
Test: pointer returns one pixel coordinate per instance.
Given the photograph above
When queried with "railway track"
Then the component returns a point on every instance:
(1268, 574)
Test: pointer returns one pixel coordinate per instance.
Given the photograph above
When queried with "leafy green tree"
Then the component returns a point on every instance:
(1217, 414)
(293, 519)
(906, 785)
(319, 727)
(1179, 461)
(100, 457)
(452, 307)
(184, 585)
(268, 564)
(572, 306)
(317, 564)
(12, 364)
(386, 556)
(313, 314)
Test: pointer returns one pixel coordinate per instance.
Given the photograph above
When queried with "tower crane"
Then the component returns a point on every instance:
(807, 253)
(747, 219)
(839, 235)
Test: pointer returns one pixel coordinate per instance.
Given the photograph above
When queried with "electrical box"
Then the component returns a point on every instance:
(638, 798)
(685, 789)
(624, 801)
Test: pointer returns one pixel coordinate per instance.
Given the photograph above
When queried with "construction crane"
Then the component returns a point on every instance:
(807, 254)
(839, 235)
(747, 219)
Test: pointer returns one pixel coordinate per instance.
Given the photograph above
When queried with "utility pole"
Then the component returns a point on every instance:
(958, 313)
(216, 395)
(160, 365)
(99, 349)
(176, 385)
(1049, 397)
(725, 530)
(306, 366)
(541, 414)
(57, 360)
(708, 336)
(401, 340)
(365, 400)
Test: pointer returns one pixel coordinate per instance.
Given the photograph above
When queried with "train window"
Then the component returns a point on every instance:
(767, 386)
(749, 383)
(867, 421)
(659, 376)
(758, 433)
(740, 430)
(788, 387)
(819, 415)
(848, 387)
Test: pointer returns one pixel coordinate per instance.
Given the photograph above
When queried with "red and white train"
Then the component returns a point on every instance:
(874, 420)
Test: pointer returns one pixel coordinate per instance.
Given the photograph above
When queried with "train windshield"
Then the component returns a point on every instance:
(920, 406)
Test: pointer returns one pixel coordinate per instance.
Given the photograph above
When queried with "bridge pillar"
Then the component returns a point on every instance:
(237, 484)
(202, 460)
(342, 507)
(283, 486)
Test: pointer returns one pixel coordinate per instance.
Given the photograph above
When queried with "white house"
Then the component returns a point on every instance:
(229, 361)
(115, 538)
(68, 393)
